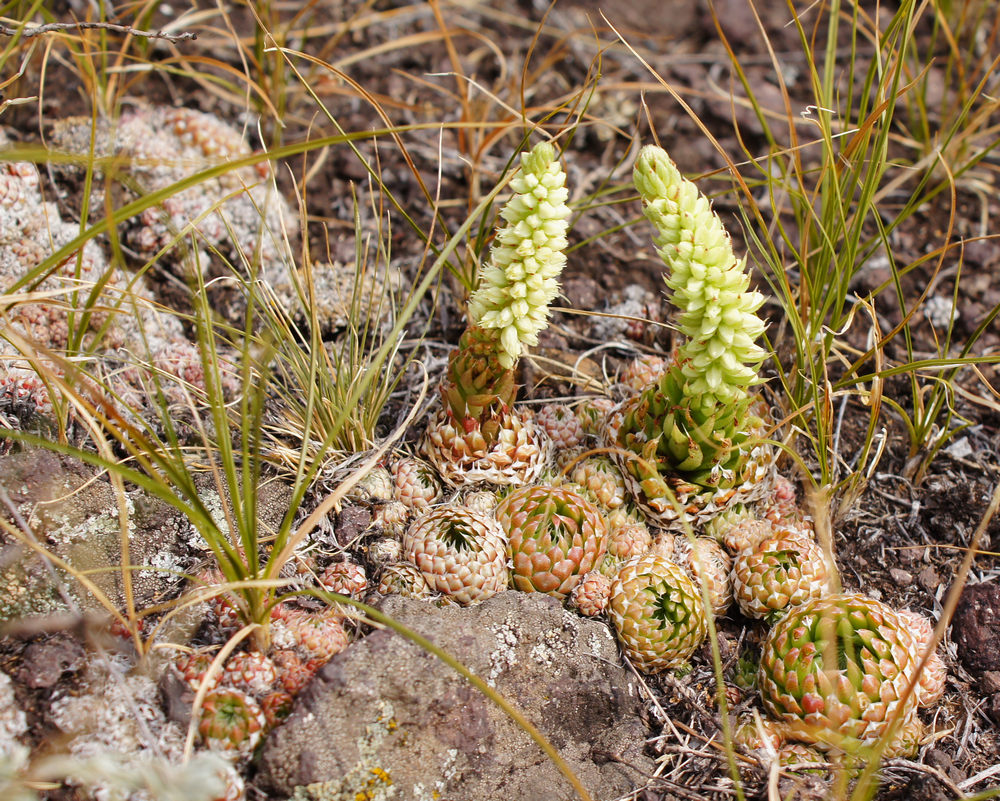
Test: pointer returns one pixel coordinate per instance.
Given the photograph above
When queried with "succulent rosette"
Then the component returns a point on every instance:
(590, 596)
(460, 553)
(231, 722)
(657, 613)
(376, 486)
(628, 538)
(602, 479)
(561, 424)
(251, 672)
(781, 571)
(691, 444)
(906, 740)
(417, 486)
(319, 635)
(593, 413)
(642, 371)
(512, 451)
(402, 578)
(477, 437)
(708, 565)
(390, 518)
(555, 537)
(835, 671)
(345, 578)
(192, 668)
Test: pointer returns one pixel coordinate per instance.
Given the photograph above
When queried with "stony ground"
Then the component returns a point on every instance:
(900, 541)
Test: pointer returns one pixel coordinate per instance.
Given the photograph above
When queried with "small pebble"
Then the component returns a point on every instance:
(991, 681)
(929, 579)
(901, 577)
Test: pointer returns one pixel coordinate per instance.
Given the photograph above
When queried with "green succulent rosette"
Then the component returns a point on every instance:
(555, 537)
(836, 669)
(657, 613)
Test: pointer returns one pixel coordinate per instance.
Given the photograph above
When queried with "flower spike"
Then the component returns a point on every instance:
(520, 279)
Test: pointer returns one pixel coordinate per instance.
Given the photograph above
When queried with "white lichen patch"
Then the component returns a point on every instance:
(449, 772)
(504, 655)
(117, 717)
(12, 720)
(98, 526)
(601, 644)
(163, 562)
(551, 649)
(214, 505)
(367, 780)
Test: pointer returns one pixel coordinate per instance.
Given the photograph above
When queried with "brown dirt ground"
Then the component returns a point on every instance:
(899, 541)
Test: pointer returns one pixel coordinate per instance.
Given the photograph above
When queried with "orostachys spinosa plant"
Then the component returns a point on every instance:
(694, 435)
(478, 436)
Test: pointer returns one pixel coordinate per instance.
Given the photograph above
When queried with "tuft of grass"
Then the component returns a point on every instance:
(816, 210)
(351, 378)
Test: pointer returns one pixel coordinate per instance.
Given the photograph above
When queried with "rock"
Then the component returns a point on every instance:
(925, 787)
(991, 681)
(975, 628)
(73, 513)
(993, 708)
(937, 758)
(352, 522)
(387, 719)
(929, 579)
(46, 661)
(75, 517)
(902, 578)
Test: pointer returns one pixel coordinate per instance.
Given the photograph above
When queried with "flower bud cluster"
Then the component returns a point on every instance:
(520, 279)
(720, 358)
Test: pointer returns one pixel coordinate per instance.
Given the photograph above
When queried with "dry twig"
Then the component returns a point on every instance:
(54, 27)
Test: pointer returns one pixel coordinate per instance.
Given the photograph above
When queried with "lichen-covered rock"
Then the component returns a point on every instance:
(76, 517)
(387, 720)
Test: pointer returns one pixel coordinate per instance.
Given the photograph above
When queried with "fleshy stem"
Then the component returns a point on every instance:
(516, 286)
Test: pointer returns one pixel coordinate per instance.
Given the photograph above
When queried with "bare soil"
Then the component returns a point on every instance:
(899, 541)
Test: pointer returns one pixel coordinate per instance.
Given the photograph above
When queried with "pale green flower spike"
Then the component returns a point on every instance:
(519, 279)
(720, 358)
